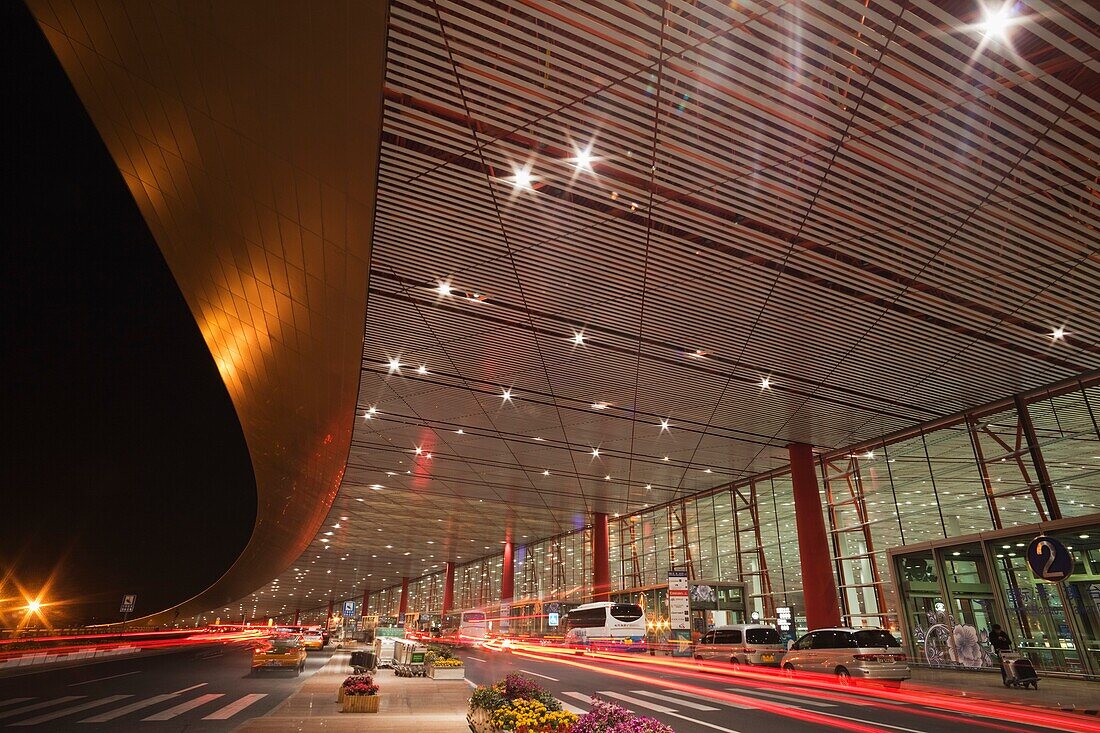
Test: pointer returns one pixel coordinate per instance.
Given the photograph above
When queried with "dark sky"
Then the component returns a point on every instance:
(124, 465)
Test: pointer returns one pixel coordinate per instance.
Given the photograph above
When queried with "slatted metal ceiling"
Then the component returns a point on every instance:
(877, 205)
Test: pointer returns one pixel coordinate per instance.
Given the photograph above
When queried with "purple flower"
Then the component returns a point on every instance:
(603, 717)
(641, 725)
(518, 687)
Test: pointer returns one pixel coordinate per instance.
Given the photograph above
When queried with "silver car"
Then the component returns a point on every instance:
(753, 644)
(849, 654)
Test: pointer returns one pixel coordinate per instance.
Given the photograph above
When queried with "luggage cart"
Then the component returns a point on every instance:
(408, 658)
(1018, 670)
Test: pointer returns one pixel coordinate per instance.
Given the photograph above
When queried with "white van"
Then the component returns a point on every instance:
(751, 644)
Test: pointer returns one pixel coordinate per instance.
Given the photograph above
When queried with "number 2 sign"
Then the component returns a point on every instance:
(1049, 559)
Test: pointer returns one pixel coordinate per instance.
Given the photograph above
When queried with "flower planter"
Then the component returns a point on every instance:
(340, 695)
(447, 673)
(479, 721)
(361, 703)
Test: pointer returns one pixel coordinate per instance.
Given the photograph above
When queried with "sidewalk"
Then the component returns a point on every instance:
(408, 704)
(1053, 692)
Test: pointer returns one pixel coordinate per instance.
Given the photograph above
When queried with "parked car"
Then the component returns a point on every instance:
(750, 644)
(849, 654)
(286, 653)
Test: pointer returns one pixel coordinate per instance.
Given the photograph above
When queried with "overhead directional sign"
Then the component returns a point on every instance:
(128, 603)
(1049, 559)
(349, 609)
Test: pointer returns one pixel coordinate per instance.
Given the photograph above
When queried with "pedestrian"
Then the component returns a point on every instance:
(1001, 642)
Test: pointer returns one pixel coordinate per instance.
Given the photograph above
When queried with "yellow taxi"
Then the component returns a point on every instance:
(313, 639)
(282, 652)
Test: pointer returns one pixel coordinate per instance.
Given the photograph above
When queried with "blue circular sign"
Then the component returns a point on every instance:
(1049, 559)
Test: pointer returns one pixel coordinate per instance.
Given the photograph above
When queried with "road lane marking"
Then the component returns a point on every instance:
(676, 701)
(581, 696)
(69, 711)
(874, 722)
(100, 679)
(791, 699)
(552, 679)
(636, 701)
(39, 706)
(572, 708)
(126, 709)
(13, 700)
(727, 703)
(235, 707)
(475, 659)
(188, 689)
(184, 707)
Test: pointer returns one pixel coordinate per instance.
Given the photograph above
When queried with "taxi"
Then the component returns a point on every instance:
(313, 639)
(282, 652)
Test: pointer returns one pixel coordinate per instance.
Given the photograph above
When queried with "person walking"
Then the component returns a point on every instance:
(1001, 642)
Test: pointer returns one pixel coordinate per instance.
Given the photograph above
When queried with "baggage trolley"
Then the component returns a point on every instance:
(1018, 671)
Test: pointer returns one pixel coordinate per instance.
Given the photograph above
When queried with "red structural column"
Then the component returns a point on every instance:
(448, 586)
(507, 571)
(366, 598)
(331, 604)
(818, 582)
(297, 614)
(601, 554)
(403, 608)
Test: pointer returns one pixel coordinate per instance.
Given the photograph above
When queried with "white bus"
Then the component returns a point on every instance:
(467, 627)
(606, 626)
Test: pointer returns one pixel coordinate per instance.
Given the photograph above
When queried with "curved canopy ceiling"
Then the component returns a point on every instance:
(625, 252)
(598, 218)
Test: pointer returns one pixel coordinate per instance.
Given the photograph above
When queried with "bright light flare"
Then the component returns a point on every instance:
(33, 606)
(666, 425)
(522, 178)
(997, 20)
(443, 287)
(506, 395)
(584, 159)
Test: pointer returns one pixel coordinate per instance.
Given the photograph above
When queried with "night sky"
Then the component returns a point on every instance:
(124, 464)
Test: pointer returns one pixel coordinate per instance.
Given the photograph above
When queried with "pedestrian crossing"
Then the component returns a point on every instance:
(674, 702)
(30, 712)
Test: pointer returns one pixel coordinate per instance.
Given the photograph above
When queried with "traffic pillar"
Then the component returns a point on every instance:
(366, 598)
(601, 554)
(818, 582)
(448, 586)
(507, 571)
(403, 607)
(297, 615)
(331, 604)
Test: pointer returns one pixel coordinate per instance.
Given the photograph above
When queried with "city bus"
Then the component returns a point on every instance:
(606, 626)
(467, 627)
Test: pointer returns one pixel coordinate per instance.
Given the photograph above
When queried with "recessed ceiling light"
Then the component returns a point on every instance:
(648, 486)
(766, 383)
(422, 369)
(997, 20)
(443, 287)
(578, 338)
(377, 487)
(607, 478)
(599, 405)
(460, 431)
(665, 425)
(1058, 334)
(707, 470)
(419, 450)
(665, 458)
(869, 455)
(540, 439)
(595, 452)
(698, 354)
(476, 296)
(506, 395)
(583, 158)
(522, 178)
(546, 472)
(395, 365)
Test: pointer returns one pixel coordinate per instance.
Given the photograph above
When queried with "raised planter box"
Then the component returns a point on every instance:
(478, 720)
(361, 703)
(447, 673)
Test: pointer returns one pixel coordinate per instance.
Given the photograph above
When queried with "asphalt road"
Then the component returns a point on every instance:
(693, 701)
(207, 688)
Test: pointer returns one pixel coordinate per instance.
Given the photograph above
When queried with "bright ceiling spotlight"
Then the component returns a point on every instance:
(996, 20)
(460, 431)
(395, 365)
(599, 405)
(1059, 333)
(707, 470)
(665, 425)
(583, 159)
(546, 472)
(443, 287)
(766, 383)
(422, 369)
(869, 455)
(506, 395)
(419, 450)
(34, 606)
(578, 338)
(522, 178)
(595, 452)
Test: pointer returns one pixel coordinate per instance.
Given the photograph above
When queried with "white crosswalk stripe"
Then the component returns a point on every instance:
(780, 697)
(39, 706)
(127, 709)
(674, 700)
(637, 702)
(14, 700)
(727, 703)
(184, 707)
(235, 707)
(71, 711)
(572, 708)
